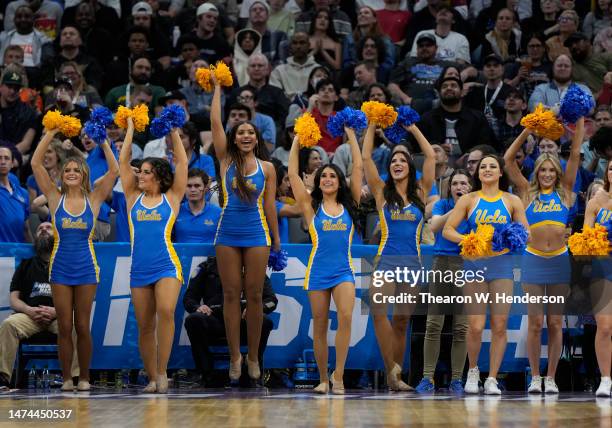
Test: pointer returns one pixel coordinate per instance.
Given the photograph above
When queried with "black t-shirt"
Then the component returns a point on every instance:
(31, 279)
(212, 50)
(16, 120)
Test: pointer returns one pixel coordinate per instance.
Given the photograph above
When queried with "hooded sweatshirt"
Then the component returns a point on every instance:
(241, 58)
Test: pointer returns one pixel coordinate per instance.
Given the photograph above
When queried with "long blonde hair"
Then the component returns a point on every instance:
(534, 184)
(82, 164)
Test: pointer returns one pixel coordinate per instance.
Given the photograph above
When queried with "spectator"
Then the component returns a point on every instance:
(324, 42)
(106, 17)
(18, 122)
(263, 122)
(30, 298)
(27, 94)
(510, 127)
(140, 75)
(443, 173)
(365, 76)
(62, 100)
(321, 105)
(85, 96)
(299, 104)
(281, 19)
(603, 41)
(270, 40)
(599, 149)
(292, 77)
(14, 203)
(452, 46)
(568, 25)
(475, 154)
(270, 99)
(588, 67)
(187, 20)
(394, 20)
(197, 220)
(368, 26)
(486, 18)
(36, 45)
(205, 325)
(159, 44)
(248, 42)
(504, 39)
(550, 94)
(412, 81)
(212, 47)
(599, 19)
(198, 101)
(100, 43)
(47, 16)
(456, 127)
(543, 20)
(340, 20)
(310, 162)
(178, 75)
(531, 69)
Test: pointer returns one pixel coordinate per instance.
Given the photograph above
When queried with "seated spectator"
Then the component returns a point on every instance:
(85, 95)
(365, 76)
(504, 39)
(486, 17)
(510, 127)
(248, 42)
(310, 162)
(371, 49)
(568, 25)
(14, 203)
(199, 101)
(543, 20)
(62, 98)
(106, 17)
(205, 325)
(36, 45)
(27, 94)
(368, 26)
(394, 20)
(99, 42)
(187, 20)
(599, 149)
(47, 16)
(159, 43)
(413, 80)
(532, 69)
(270, 40)
(281, 19)
(603, 41)
(178, 75)
(299, 103)
(119, 205)
(598, 19)
(550, 94)
(30, 298)
(325, 44)
(197, 220)
(292, 77)
(140, 75)
(263, 122)
(340, 20)
(18, 121)
(452, 46)
(588, 67)
(321, 106)
(475, 154)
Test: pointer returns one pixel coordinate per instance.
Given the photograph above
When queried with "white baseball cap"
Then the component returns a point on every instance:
(142, 8)
(206, 8)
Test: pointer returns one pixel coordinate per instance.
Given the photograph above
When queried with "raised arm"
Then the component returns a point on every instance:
(270, 204)
(374, 181)
(216, 125)
(104, 185)
(43, 179)
(590, 213)
(128, 179)
(300, 193)
(357, 174)
(181, 166)
(514, 173)
(457, 215)
(429, 163)
(569, 177)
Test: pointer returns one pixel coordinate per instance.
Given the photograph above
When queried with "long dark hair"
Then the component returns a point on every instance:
(380, 48)
(260, 152)
(162, 171)
(392, 197)
(503, 180)
(343, 196)
(331, 30)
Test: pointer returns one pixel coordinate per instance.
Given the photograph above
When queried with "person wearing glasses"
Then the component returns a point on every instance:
(568, 25)
(263, 122)
(532, 69)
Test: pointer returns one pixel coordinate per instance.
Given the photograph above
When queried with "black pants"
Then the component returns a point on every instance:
(206, 330)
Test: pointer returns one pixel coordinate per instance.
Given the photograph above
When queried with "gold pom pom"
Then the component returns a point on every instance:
(140, 116)
(70, 126)
(544, 123)
(380, 114)
(121, 117)
(203, 78)
(52, 120)
(478, 244)
(223, 74)
(592, 241)
(307, 130)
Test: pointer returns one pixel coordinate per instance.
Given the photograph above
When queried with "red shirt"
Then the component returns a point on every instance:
(329, 143)
(394, 23)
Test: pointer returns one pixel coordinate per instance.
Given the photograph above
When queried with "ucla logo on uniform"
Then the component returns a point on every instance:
(606, 215)
(483, 216)
(209, 222)
(399, 215)
(68, 223)
(142, 215)
(249, 184)
(546, 207)
(331, 225)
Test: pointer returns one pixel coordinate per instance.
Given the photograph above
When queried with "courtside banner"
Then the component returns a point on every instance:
(115, 333)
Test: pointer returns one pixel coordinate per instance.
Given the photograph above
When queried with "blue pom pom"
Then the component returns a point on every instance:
(515, 237)
(277, 260)
(406, 116)
(96, 131)
(102, 115)
(498, 243)
(395, 133)
(175, 115)
(575, 104)
(348, 117)
(160, 127)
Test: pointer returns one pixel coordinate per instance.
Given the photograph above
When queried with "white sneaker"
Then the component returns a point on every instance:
(536, 385)
(605, 387)
(550, 387)
(471, 384)
(490, 387)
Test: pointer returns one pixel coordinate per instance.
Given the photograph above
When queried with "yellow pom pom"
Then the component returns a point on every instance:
(121, 116)
(52, 120)
(544, 123)
(203, 78)
(478, 243)
(381, 114)
(307, 130)
(70, 126)
(223, 74)
(592, 241)
(140, 116)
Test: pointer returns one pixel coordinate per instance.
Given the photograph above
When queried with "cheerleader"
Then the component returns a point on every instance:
(488, 204)
(73, 269)
(153, 200)
(545, 269)
(243, 240)
(599, 210)
(400, 202)
(331, 214)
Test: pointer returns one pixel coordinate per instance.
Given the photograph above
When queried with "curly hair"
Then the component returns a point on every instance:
(503, 180)
(162, 171)
(392, 196)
